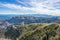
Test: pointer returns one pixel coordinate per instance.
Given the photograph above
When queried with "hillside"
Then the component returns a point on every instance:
(36, 31)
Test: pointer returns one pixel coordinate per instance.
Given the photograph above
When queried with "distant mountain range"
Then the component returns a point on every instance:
(7, 16)
(34, 18)
(30, 18)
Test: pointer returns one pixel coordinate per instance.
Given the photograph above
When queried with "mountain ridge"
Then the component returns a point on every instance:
(32, 18)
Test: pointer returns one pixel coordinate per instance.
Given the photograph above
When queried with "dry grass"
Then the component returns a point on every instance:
(4, 39)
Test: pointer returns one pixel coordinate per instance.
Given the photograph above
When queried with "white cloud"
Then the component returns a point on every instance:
(14, 6)
(21, 2)
(45, 7)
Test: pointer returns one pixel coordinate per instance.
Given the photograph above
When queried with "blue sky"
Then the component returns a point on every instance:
(51, 7)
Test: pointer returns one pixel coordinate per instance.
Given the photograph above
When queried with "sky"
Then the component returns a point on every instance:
(50, 7)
